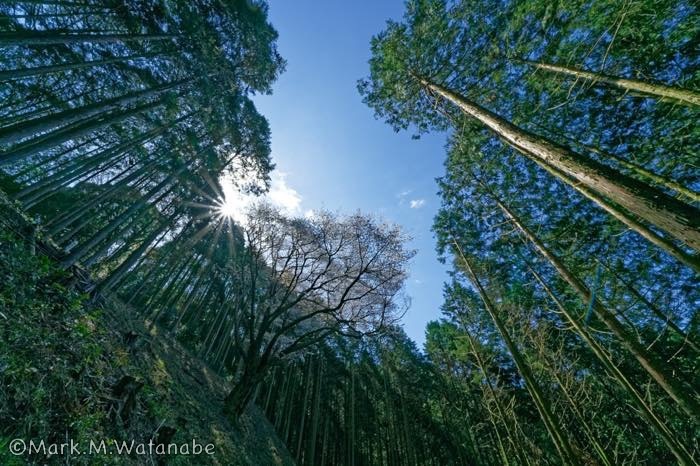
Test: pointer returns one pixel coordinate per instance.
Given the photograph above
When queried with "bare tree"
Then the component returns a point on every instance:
(295, 281)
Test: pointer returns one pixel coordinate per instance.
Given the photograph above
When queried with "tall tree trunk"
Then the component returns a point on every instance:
(666, 434)
(15, 133)
(691, 260)
(647, 361)
(680, 220)
(684, 96)
(310, 459)
(7, 75)
(559, 438)
(659, 180)
(57, 38)
(138, 176)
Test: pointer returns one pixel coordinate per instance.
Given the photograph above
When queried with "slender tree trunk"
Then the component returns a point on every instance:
(668, 183)
(313, 438)
(666, 434)
(680, 220)
(7, 75)
(559, 438)
(138, 176)
(662, 91)
(75, 177)
(57, 38)
(647, 361)
(302, 416)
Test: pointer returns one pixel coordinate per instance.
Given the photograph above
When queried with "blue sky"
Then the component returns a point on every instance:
(329, 149)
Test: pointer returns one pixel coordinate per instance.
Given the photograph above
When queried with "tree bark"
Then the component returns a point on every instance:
(684, 96)
(680, 220)
(691, 260)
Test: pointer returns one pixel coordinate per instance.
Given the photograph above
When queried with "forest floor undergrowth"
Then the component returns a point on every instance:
(73, 370)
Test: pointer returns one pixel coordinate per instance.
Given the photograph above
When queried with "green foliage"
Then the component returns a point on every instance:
(478, 49)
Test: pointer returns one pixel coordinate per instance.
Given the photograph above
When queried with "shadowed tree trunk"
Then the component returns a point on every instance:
(558, 436)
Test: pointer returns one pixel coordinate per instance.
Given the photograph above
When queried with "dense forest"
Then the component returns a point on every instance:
(569, 221)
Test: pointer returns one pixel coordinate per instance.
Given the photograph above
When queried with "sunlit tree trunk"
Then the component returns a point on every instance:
(685, 96)
(691, 260)
(680, 220)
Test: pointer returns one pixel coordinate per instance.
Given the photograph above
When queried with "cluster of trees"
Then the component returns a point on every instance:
(364, 402)
(569, 213)
(135, 108)
(121, 119)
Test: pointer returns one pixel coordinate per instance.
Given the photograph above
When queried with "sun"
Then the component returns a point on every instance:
(226, 208)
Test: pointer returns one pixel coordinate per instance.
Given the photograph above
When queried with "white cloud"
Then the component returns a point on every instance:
(284, 196)
(417, 203)
(280, 195)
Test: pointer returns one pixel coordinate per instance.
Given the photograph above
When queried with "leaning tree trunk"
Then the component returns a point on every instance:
(679, 219)
(691, 260)
(21, 73)
(559, 438)
(649, 363)
(54, 38)
(668, 436)
(241, 395)
(684, 96)
(13, 134)
(118, 274)
(641, 171)
(71, 132)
